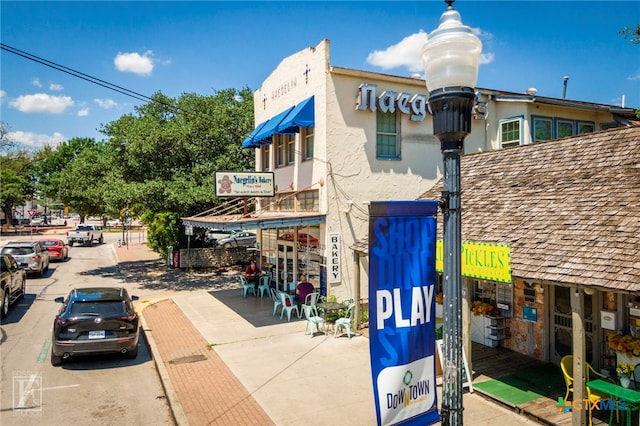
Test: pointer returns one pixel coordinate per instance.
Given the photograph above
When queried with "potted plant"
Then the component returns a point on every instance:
(625, 371)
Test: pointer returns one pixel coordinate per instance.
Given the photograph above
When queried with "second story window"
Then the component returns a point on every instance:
(280, 151)
(510, 132)
(291, 148)
(308, 143)
(266, 157)
(542, 129)
(387, 140)
(308, 201)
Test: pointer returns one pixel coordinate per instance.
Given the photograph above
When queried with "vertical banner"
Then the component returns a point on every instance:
(402, 339)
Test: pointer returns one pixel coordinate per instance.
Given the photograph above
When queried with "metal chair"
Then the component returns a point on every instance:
(311, 299)
(345, 322)
(288, 305)
(247, 287)
(276, 300)
(264, 285)
(313, 319)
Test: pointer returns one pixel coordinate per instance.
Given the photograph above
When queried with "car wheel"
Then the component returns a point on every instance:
(4, 311)
(101, 240)
(70, 243)
(227, 245)
(55, 359)
(46, 267)
(132, 354)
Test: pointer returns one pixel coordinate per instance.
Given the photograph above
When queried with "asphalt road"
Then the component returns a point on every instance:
(100, 390)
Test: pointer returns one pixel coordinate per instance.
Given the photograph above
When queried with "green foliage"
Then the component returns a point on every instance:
(631, 34)
(163, 230)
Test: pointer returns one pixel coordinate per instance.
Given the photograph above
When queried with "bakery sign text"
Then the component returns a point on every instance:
(388, 101)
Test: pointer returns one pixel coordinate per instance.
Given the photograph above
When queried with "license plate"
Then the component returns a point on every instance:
(97, 334)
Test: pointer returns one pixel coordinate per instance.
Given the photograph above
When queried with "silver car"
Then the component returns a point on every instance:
(31, 256)
(238, 239)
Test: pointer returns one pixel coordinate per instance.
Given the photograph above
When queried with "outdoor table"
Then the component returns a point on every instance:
(327, 307)
(631, 397)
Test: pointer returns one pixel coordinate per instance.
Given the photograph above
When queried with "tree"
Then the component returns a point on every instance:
(631, 34)
(165, 154)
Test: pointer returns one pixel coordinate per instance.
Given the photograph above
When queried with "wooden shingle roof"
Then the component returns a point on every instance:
(569, 209)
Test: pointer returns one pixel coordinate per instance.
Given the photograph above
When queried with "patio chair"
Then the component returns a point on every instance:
(288, 305)
(311, 299)
(264, 286)
(313, 319)
(276, 300)
(247, 287)
(566, 364)
(345, 322)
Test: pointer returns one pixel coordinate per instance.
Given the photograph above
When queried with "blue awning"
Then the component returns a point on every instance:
(302, 115)
(287, 122)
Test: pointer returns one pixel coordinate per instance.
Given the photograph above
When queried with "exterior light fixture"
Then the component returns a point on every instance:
(451, 58)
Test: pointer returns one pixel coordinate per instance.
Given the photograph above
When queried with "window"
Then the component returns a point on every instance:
(266, 154)
(308, 143)
(308, 201)
(280, 151)
(510, 132)
(564, 128)
(387, 144)
(291, 148)
(286, 202)
(586, 127)
(542, 129)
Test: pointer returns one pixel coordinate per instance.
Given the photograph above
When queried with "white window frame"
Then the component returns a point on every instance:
(520, 121)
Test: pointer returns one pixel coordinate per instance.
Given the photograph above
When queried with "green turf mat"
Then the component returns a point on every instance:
(526, 385)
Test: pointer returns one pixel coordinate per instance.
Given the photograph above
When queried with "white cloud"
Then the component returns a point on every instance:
(2, 94)
(635, 76)
(408, 52)
(83, 112)
(56, 87)
(35, 140)
(42, 103)
(134, 62)
(105, 103)
(36, 82)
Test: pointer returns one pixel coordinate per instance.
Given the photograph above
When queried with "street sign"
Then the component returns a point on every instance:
(31, 212)
(188, 230)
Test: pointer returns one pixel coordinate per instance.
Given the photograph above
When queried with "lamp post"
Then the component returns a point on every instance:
(451, 58)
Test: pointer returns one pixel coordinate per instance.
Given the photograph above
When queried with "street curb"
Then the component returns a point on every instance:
(177, 412)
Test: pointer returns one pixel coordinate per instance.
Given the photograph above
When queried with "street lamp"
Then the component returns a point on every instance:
(451, 57)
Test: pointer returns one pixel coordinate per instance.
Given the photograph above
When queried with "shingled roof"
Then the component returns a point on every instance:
(569, 209)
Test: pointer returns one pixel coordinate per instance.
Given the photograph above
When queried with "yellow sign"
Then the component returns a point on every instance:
(481, 260)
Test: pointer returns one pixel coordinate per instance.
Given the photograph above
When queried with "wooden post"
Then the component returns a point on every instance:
(580, 401)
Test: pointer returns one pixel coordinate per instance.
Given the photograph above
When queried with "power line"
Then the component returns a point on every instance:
(81, 75)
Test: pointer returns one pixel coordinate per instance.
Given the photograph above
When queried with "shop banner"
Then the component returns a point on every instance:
(402, 339)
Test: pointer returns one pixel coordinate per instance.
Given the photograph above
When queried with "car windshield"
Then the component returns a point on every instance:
(84, 228)
(107, 308)
(49, 243)
(20, 251)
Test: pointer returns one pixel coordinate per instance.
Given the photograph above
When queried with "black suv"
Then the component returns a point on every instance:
(95, 320)
(12, 283)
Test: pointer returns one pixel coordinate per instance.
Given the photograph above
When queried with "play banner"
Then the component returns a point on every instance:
(402, 340)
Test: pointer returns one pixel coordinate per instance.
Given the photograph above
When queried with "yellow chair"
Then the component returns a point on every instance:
(566, 364)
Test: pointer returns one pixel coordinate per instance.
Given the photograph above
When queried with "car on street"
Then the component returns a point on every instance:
(113, 223)
(95, 321)
(57, 248)
(31, 256)
(304, 239)
(12, 283)
(239, 239)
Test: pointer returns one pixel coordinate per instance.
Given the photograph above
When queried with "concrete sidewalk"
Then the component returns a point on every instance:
(225, 359)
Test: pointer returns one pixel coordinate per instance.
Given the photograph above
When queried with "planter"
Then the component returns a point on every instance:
(632, 360)
(625, 382)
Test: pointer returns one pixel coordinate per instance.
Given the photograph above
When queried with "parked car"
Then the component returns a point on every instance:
(12, 282)
(114, 223)
(95, 320)
(304, 239)
(213, 235)
(31, 256)
(239, 239)
(57, 249)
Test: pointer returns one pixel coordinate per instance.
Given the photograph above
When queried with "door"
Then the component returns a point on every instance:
(561, 333)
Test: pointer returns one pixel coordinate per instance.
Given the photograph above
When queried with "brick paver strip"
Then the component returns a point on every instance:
(207, 390)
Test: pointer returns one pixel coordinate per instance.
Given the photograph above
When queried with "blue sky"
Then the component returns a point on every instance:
(200, 47)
